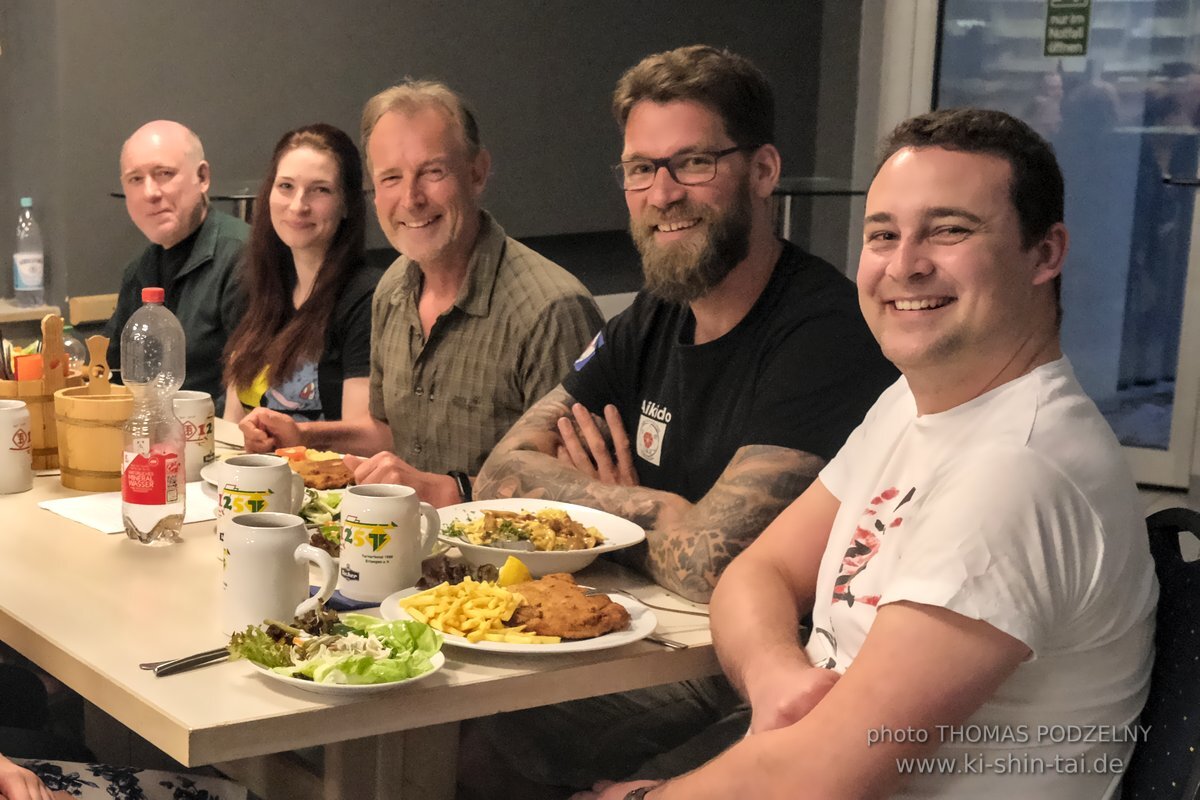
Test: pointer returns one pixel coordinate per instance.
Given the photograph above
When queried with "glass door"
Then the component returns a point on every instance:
(1115, 86)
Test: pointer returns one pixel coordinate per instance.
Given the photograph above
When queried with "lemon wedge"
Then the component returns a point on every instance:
(514, 571)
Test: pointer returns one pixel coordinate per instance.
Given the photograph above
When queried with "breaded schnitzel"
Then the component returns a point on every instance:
(557, 606)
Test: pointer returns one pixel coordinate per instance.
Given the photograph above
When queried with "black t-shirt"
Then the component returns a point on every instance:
(314, 390)
(799, 371)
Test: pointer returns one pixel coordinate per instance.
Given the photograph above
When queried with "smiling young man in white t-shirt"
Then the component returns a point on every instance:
(974, 558)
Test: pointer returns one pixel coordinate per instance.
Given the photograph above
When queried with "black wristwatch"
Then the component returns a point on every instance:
(640, 792)
(464, 484)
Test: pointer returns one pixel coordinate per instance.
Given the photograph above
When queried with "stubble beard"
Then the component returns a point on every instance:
(685, 271)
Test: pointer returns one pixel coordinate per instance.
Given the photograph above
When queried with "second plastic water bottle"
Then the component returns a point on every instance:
(152, 472)
(29, 264)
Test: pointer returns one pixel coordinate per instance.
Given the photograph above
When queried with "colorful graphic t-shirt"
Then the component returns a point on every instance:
(1017, 509)
(298, 396)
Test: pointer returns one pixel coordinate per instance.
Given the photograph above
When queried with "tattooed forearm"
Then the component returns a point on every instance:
(688, 546)
(759, 483)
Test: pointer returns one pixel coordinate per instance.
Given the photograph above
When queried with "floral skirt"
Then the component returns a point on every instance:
(128, 783)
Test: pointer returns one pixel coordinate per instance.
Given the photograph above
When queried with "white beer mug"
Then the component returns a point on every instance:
(386, 532)
(265, 570)
(16, 447)
(255, 483)
(195, 410)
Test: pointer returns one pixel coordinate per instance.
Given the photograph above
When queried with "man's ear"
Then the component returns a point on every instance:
(481, 169)
(202, 174)
(765, 168)
(1051, 253)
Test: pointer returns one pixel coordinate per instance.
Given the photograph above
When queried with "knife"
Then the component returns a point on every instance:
(164, 668)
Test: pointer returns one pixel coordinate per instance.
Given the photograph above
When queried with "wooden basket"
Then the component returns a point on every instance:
(91, 437)
(41, 415)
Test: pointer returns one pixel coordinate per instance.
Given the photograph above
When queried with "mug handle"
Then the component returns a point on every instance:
(431, 524)
(305, 553)
(297, 492)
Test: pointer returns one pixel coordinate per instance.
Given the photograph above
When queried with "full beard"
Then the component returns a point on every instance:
(685, 271)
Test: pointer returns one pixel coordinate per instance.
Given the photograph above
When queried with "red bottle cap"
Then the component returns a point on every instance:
(153, 294)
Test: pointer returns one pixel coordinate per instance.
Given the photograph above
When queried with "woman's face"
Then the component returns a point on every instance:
(306, 200)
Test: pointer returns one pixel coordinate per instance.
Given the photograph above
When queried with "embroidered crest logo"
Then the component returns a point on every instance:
(651, 431)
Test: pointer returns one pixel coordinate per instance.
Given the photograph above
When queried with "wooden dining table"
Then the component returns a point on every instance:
(88, 608)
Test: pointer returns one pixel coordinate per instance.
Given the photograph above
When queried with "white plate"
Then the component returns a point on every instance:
(618, 533)
(208, 473)
(345, 689)
(642, 623)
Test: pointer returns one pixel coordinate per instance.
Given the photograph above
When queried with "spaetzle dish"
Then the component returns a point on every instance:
(547, 530)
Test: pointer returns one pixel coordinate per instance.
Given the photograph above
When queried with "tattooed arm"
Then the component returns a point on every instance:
(688, 545)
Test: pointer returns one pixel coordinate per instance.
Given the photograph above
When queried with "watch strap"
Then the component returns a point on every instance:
(464, 484)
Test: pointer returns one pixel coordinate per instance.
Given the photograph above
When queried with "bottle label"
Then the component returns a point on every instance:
(150, 480)
(27, 270)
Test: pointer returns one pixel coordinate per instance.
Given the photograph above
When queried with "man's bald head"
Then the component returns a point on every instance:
(165, 178)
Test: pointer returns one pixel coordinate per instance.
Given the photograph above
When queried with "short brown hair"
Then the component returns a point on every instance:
(724, 81)
(1036, 189)
(410, 96)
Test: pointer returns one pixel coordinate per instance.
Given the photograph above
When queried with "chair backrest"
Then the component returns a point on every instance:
(1166, 766)
(91, 308)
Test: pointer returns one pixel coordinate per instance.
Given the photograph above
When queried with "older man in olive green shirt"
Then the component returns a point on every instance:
(469, 327)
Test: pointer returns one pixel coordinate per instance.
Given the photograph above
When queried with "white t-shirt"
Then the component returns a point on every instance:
(1018, 509)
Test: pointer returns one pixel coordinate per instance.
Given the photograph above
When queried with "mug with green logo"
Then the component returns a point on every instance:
(386, 532)
(253, 484)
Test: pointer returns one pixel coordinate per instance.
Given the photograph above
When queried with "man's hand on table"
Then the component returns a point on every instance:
(18, 783)
(782, 691)
(266, 430)
(584, 447)
(437, 490)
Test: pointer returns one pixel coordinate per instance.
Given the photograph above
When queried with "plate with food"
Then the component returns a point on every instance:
(352, 655)
(321, 469)
(546, 535)
(552, 615)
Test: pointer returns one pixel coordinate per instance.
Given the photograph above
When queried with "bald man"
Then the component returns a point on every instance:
(193, 251)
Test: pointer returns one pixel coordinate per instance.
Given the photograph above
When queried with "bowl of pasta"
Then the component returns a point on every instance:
(546, 535)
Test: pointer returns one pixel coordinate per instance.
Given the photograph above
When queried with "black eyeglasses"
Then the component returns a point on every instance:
(688, 169)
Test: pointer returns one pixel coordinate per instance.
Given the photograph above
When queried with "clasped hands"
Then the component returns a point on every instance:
(584, 447)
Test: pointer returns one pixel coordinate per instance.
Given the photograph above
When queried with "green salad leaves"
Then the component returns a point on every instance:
(360, 650)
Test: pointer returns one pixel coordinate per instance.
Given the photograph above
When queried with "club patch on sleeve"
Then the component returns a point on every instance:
(589, 351)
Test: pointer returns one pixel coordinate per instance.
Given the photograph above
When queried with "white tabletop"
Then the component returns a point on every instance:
(89, 607)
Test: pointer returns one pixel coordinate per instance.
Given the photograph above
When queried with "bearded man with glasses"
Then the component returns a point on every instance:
(739, 371)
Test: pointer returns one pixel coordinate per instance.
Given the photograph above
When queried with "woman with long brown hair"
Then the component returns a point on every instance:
(303, 347)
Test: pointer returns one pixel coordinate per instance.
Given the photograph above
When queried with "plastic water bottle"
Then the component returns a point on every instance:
(29, 272)
(152, 471)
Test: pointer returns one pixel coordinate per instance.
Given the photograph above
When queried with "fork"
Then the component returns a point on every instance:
(692, 612)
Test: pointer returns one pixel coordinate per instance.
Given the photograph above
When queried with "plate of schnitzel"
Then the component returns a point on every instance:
(556, 606)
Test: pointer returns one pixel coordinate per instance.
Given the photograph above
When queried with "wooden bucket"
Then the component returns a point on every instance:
(41, 415)
(91, 437)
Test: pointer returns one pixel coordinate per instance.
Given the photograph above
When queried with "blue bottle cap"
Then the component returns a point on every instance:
(26, 202)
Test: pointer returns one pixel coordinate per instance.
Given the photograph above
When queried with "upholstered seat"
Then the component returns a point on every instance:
(1167, 765)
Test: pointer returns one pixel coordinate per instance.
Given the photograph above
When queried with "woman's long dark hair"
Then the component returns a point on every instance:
(271, 332)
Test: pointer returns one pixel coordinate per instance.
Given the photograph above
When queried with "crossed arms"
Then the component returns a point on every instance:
(809, 726)
(689, 545)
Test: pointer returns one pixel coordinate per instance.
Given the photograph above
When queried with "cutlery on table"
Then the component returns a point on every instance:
(591, 590)
(174, 665)
(665, 642)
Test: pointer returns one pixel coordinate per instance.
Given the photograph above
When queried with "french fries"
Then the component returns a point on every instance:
(473, 610)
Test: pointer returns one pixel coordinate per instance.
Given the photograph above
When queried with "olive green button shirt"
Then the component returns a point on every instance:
(517, 325)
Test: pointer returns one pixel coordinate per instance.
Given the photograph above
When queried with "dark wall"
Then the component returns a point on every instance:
(80, 75)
